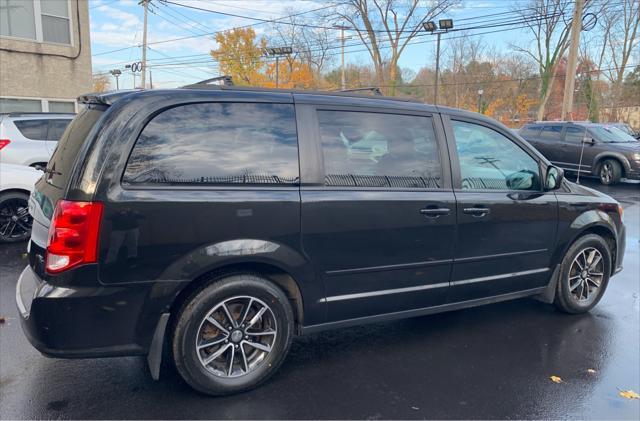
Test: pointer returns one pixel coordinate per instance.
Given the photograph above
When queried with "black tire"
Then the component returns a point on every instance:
(15, 221)
(567, 301)
(190, 324)
(610, 172)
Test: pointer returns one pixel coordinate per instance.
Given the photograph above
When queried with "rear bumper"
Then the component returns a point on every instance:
(87, 321)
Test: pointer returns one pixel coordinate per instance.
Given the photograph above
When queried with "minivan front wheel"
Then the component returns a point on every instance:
(584, 275)
(232, 335)
(610, 172)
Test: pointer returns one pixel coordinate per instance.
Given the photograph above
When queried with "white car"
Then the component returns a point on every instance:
(16, 184)
(30, 138)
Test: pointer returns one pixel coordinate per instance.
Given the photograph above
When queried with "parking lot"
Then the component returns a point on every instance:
(488, 362)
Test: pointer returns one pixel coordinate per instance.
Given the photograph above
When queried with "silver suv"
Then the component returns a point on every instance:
(30, 138)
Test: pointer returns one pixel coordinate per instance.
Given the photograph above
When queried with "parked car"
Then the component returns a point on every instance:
(16, 184)
(590, 149)
(224, 221)
(30, 138)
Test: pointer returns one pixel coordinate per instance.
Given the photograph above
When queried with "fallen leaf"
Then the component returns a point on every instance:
(556, 379)
(629, 394)
(591, 371)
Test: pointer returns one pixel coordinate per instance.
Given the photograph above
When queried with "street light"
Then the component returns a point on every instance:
(278, 52)
(445, 25)
(116, 73)
(480, 92)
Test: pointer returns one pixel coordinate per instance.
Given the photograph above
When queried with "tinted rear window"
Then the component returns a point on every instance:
(57, 128)
(33, 129)
(551, 132)
(42, 129)
(61, 163)
(531, 130)
(217, 143)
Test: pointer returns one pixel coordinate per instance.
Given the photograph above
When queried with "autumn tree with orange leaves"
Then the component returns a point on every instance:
(240, 55)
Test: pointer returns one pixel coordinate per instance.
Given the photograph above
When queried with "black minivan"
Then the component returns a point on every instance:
(217, 223)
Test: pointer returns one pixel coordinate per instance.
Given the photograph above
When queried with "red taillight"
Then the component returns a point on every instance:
(73, 235)
(3, 143)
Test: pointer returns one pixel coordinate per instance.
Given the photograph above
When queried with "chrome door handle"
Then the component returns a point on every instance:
(477, 211)
(435, 212)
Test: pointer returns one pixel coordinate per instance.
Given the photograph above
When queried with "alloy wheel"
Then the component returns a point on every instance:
(586, 275)
(236, 336)
(15, 221)
(606, 173)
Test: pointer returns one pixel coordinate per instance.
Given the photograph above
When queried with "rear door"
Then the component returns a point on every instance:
(506, 222)
(378, 211)
(573, 154)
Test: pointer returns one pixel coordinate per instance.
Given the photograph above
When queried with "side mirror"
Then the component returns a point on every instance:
(588, 140)
(554, 177)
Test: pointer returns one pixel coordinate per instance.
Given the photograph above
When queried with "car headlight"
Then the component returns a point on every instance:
(636, 156)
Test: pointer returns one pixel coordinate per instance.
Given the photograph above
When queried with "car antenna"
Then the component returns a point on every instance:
(584, 141)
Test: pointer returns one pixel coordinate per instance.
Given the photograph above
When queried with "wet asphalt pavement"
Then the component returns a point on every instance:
(487, 362)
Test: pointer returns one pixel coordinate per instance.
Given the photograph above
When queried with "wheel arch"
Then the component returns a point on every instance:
(274, 273)
(598, 228)
(15, 190)
(624, 162)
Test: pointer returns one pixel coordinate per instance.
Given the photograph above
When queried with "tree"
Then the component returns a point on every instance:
(546, 20)
(293, 74)
(240, 55)
(388, 24)
(622, 40)
(101, 83)
(310, 45)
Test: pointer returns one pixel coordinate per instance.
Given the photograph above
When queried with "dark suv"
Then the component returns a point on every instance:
(222, 222)
(594, 149)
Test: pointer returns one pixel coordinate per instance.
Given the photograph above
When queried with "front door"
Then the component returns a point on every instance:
(506, 222)
(379, 226)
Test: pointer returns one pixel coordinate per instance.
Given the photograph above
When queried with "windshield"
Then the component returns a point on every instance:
(610, 134)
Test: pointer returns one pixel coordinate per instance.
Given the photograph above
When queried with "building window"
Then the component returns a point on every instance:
(17, 19)
(11, 105)
(62, 107)
(36, 105)
(39, 20)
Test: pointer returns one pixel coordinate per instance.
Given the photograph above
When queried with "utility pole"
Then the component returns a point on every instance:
(145, 5)
(150, 80)
(343, 79)
(570, 78)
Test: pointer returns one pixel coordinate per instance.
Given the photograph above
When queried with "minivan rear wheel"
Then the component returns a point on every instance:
(610, 172)
(584, 275)
(15, 221)
(232, 335)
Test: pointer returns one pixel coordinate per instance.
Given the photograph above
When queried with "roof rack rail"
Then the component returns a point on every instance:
(216, 81)
(373, 89)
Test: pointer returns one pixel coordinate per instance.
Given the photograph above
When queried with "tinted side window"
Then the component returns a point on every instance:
(489, 160)
(530, 131)
(217, 143)
(33, 129)
(56, 128)
(574, 134)
(379, 150)
(551, 132)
